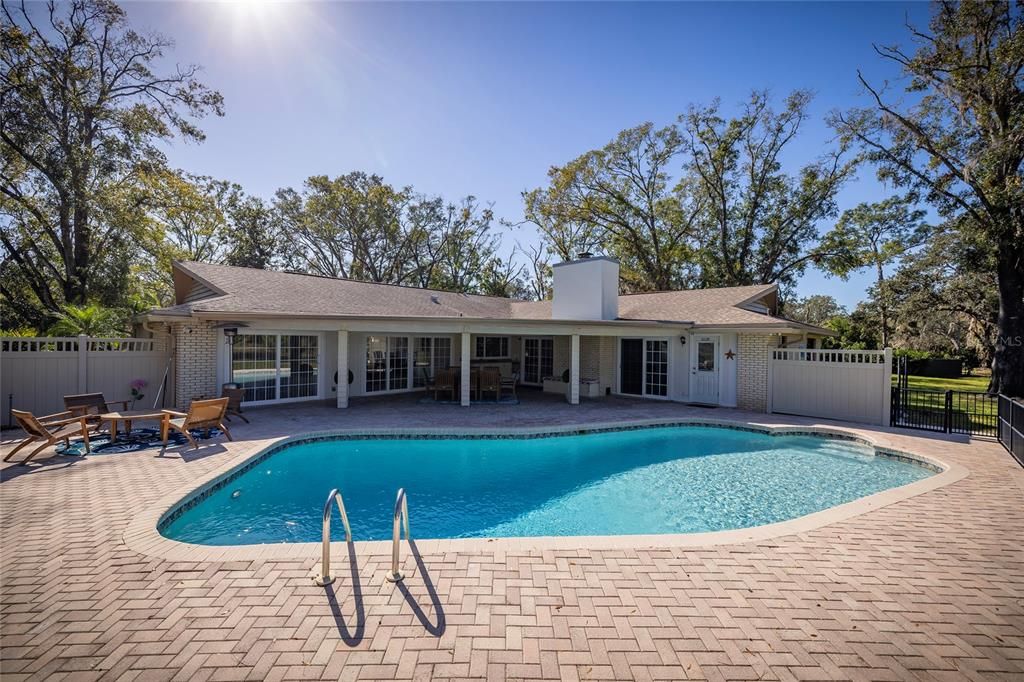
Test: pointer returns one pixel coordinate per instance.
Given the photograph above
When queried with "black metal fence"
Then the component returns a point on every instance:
(967, 412)
(1011, 426)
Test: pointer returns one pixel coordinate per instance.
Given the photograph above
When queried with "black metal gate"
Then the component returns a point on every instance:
(968, 412)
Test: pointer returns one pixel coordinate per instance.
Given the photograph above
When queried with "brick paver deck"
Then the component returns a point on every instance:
(928, 588)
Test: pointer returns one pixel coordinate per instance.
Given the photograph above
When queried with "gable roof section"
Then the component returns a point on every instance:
(228, 290)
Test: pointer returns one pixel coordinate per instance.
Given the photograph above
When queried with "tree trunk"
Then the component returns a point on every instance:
(882, 307)
(1008, 361)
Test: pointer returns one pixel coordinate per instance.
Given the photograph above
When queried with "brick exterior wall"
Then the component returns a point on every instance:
(752, 371)
(195, 362)
(590, 357)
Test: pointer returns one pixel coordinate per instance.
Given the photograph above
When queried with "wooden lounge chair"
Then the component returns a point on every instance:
(50, 429)
(92, 405)
(235, 397)
(202, 414)
(490, 382)
(444, 382)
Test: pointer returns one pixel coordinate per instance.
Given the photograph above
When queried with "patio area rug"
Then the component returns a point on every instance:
(138, 439)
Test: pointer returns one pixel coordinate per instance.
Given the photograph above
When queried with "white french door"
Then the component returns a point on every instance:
(704, 369)
(276, 367)
(538, 359)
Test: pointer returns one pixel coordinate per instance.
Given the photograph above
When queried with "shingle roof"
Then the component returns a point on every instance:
(251, 291)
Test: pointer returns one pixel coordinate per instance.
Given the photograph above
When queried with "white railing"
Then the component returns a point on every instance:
(72, 344)
(39, 345)
(858, 357)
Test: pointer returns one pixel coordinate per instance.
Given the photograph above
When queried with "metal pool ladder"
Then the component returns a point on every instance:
(325, 577)
(401, 514)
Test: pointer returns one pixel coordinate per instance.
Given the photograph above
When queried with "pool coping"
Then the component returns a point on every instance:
(142, 533)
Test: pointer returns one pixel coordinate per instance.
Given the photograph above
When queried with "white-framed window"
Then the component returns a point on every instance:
(492, 347)
(276, 367)
(431, 354)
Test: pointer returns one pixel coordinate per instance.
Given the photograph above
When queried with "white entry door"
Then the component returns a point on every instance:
(704, 369)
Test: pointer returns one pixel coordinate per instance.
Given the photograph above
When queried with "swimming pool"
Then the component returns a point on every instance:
(677, 479)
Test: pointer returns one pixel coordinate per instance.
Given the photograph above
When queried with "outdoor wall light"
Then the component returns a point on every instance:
(682, 340)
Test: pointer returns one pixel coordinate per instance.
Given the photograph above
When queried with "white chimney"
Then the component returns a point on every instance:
(586, 289)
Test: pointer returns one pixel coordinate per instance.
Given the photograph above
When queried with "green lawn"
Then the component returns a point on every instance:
(979, 383)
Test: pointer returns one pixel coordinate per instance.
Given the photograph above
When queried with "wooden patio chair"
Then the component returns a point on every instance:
(50, 430)
(445, 381)
(490, 382)
(235, 397)
(91, 406)
(202, 414)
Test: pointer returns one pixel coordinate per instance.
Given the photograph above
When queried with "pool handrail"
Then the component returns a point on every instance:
(325, 577)
(401, 514)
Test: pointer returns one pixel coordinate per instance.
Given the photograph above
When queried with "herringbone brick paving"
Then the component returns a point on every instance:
(931, 588)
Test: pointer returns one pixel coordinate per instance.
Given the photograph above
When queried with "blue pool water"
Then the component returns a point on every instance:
(656, 480)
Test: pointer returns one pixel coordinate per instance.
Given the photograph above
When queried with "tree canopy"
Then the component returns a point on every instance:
(82, 113)
(958, 138)
(705, 202)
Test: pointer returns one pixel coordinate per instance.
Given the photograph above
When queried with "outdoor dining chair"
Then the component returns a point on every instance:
(444, 382)
(490, 382)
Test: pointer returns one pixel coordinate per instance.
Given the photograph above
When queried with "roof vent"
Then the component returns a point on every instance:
(435, 299)
(584, 254)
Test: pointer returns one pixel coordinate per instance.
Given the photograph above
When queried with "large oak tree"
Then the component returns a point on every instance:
(957, 135)
(84, 103)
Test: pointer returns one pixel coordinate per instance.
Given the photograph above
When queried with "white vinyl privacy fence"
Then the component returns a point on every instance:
(849, 385)
(36, 373)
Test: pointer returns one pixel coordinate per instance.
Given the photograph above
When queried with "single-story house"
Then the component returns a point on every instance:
(289, 337)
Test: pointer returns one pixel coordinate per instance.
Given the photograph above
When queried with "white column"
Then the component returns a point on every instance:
(574, 370)
(464, 376)
(342, 368)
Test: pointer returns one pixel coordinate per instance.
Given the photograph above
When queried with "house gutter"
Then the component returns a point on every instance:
(255, 315)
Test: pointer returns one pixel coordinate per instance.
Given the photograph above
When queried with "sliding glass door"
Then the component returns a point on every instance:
(643, 367)
(432, 353)
(276, 367)
(387, 363)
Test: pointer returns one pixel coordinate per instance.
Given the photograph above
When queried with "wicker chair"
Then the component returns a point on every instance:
(202, 414)
(50, 430)
(235, 397)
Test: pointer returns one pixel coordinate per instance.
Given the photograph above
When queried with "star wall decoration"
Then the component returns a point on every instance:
(729, 354)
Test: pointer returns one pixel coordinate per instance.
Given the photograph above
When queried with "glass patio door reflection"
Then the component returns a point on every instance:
(276, 367)
(538, 359)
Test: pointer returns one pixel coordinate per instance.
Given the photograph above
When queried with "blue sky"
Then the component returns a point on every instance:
(482, 99)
